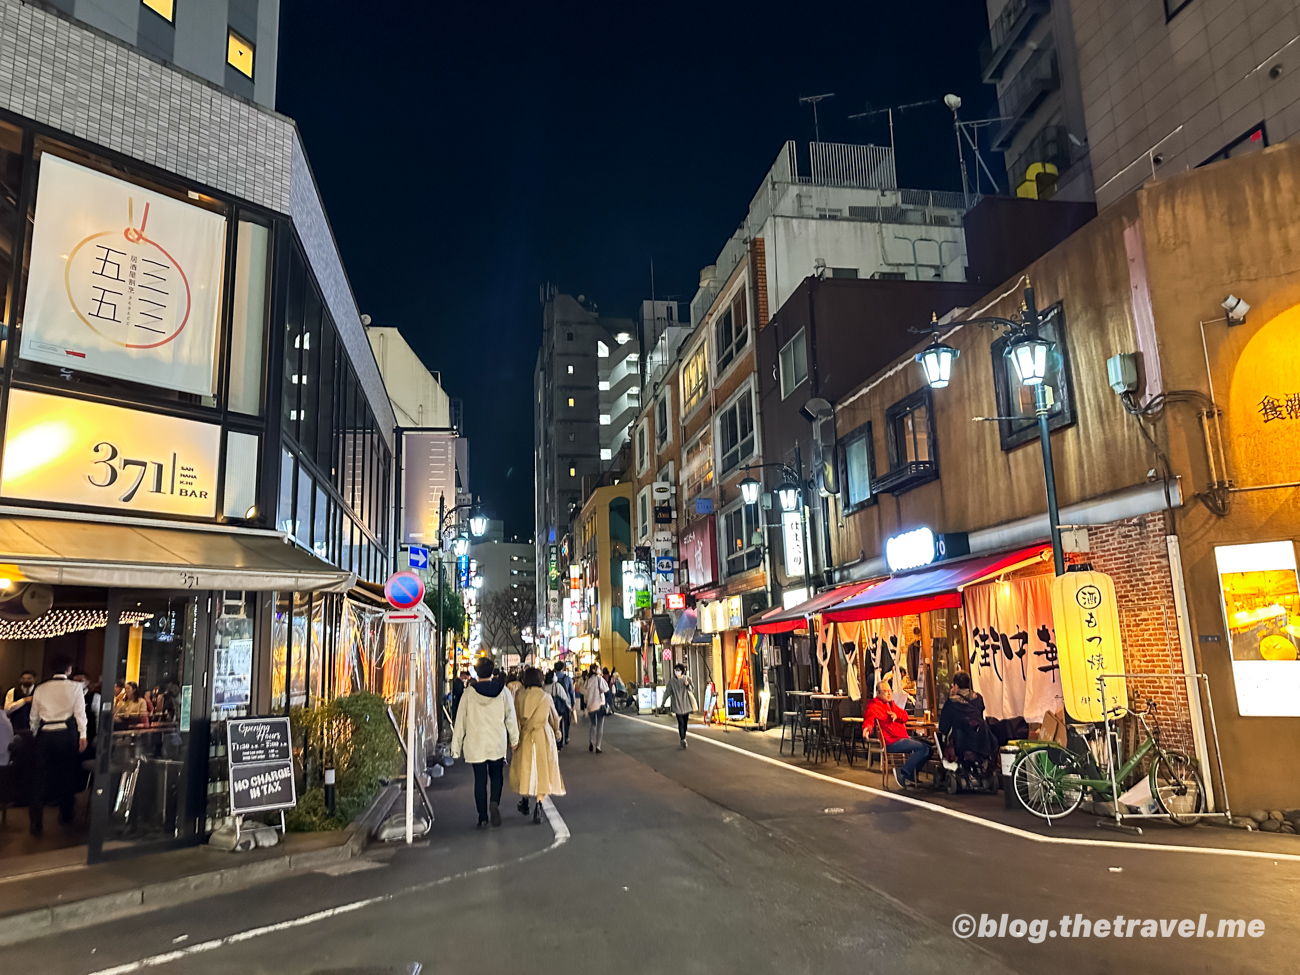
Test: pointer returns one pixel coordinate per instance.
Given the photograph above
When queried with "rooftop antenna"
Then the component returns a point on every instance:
(954, 103)
(873, 112)
(813, 100)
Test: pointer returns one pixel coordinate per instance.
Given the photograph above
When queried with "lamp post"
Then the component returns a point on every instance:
(1030, 354)
(790, 496)
(460, 546)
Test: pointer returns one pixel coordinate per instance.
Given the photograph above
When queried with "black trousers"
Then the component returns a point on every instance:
(482, 772)
(681, 725)
(54, 761)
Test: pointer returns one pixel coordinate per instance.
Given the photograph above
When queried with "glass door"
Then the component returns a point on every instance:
(150, 733)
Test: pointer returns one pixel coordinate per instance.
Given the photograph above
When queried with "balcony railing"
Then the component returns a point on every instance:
(905, 478)
(1027, 90)
(1008, 33)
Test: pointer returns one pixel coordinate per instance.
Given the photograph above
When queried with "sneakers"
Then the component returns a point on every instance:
(898, 777)
(482, 824)
(683, 742)
(494, 813)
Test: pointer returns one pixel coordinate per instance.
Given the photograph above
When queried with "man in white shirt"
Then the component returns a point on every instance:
(58, 720)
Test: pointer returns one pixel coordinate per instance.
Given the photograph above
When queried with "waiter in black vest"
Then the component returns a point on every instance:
(58, 720)
(18, 701)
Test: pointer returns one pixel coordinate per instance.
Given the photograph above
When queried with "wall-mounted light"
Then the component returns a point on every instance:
(750, 490)
(936, 360)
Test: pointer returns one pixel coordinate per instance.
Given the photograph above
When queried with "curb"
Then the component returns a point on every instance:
(152, 897)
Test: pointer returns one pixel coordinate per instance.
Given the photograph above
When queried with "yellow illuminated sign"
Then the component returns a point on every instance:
(1088, 643)
(74, 452)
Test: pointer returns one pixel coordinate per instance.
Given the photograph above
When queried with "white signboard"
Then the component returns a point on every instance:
(124, 282)
(792, 543)
(76, 452)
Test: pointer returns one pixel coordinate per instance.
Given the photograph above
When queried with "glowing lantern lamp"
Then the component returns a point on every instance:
(749, 490)
(936, 361)
(1028, 353)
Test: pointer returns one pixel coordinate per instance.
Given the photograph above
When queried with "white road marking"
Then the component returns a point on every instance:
(976, 820)
(558, 827)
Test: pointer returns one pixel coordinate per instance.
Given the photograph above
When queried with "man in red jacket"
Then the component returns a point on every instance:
(893, 729)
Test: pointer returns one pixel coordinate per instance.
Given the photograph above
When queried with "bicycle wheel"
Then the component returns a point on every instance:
(1178, 788)
(1046, 782)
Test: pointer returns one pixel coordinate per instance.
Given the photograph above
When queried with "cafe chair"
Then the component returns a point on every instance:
(789, 719)
(851, 737)
(888, 760)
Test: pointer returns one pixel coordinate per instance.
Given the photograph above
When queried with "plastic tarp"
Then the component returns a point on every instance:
(936, 587)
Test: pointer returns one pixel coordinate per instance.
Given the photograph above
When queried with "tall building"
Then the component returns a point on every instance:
(586, 378)
(232, 44)
(197, 457)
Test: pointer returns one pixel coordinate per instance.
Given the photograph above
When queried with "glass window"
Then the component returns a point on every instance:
(308, 374)
(284, 506)
(320, 641)
(642, 450)
(11, 178)
(859, 467)
(239, 54)
(299, 642)
(1254, 139)
(663, 428)
(910, 436)
(345, 554)
(325, 392)
(280, 631)
(248, 321)
(643, 513)
(240, 496)
(695, 378)
(738, 529)
(736, 432)
(794, 364)
(320, 524)
(166, 9)
(302, 514)
(729, 332)
(293, 310)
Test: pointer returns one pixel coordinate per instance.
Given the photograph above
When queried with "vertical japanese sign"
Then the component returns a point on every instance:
(1014, 660)
(124, 282)
(792, 543)
(1089, 644)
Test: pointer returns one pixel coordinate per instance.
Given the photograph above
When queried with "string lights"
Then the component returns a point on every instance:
(59, 622)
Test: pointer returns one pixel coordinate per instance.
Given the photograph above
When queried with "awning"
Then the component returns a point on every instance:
(87, 553)
(685, 631)
(938, 587)
(782, 620)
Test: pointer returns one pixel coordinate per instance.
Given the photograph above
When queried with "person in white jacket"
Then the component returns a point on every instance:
(485, 722)
(593, 694)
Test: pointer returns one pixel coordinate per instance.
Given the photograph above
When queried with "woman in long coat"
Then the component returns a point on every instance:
(535, 765)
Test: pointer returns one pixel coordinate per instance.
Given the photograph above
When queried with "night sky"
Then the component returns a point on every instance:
(468, 154)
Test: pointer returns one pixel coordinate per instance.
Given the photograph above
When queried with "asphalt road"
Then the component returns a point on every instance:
(700, 860)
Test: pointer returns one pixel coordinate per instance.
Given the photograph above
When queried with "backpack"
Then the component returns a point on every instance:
(561, 698)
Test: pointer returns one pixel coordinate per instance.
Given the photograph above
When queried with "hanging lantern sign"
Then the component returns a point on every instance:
(1088, 643)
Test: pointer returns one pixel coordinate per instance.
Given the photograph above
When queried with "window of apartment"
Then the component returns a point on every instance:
(570, 336)
(697, 465)
(606, 453)
(570, 400)
(643, 513)
(730, 333)
(604, 419)
(736, 432)
(663, 426)
(740, 549)
(573, 472)
(569, 370)
(1015, 400)
(642, 449)
(1254, 140)
(166, 9)
(794, 364)
(695, 378)
(603, 385)
(911, 431)
(1172, 7)
(849, 273)
(239, 54)
(857, 449)
(570, 438)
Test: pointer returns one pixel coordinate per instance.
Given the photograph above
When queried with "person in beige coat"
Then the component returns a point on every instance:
(535, 765)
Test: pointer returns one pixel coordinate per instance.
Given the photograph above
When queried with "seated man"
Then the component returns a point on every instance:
(893, 730)
(962, 717)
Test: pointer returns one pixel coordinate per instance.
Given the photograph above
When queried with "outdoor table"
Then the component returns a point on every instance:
(860, 732)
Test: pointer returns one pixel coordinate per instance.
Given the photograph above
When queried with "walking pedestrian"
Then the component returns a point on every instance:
(58, 720)
(561, 701)
(566, 714)
(485, 721)
(681, 698)
(535, 765)
(593, 695)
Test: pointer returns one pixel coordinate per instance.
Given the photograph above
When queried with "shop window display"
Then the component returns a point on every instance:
(1261, 605)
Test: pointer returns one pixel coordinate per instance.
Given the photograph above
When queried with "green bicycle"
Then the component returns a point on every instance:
(1050, 780)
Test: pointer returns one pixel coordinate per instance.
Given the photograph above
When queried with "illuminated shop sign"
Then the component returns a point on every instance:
(792, 542)
(676, 600)
(921, 546)
(75, 452)
(1261, 605)
(124, 282)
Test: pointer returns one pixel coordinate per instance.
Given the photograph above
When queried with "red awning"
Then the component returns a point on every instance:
(938, 587)
(782, 620)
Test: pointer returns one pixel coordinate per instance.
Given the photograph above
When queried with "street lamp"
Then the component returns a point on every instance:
(787, 492)
(750, 489)
(1030, 353)
(478, 524)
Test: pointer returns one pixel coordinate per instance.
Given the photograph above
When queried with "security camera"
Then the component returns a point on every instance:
(952, 101)
(1236, 309)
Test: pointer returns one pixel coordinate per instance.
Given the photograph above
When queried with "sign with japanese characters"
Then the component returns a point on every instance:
(792, 543)
(82, 453)
(124, 282)
(1014, 660)
(1088, 644)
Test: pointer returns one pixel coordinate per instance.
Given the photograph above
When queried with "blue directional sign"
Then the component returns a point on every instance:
(418, 557)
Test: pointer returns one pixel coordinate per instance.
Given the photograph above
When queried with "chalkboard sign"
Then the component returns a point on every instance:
(260, 754)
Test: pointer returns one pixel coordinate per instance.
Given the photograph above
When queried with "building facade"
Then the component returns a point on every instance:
(197, 468)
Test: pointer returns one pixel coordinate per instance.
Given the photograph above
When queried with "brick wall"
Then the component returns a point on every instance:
(1134, 553)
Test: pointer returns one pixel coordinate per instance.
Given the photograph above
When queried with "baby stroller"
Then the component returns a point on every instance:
(975, 768)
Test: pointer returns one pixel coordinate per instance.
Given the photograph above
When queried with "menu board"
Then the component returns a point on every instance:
(260, 756)
(735, 705)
